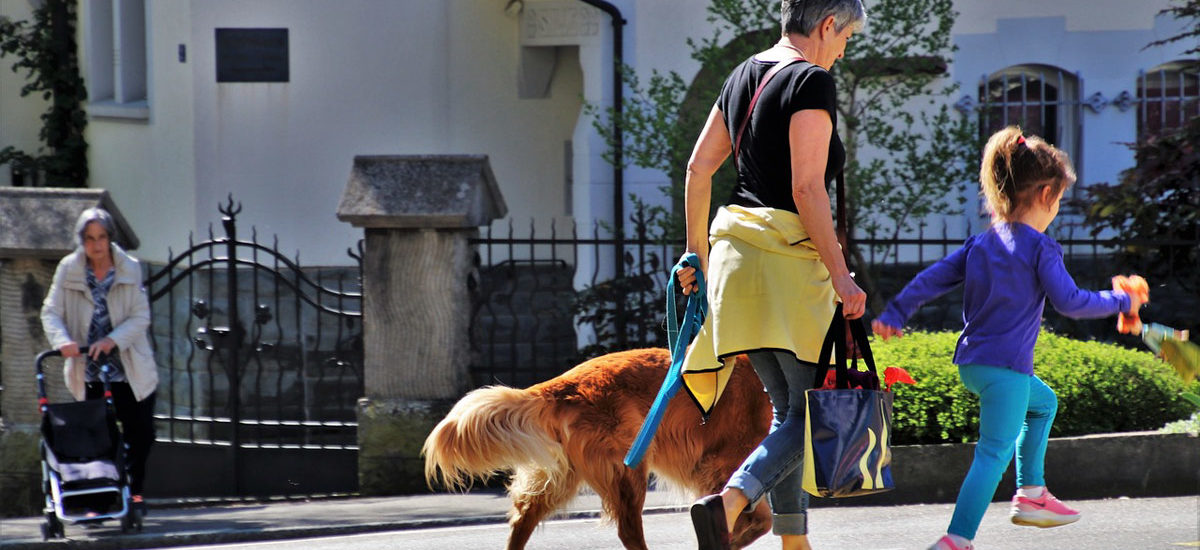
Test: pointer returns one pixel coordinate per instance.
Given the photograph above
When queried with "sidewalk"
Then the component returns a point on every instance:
(168, 525)
(1089, 467)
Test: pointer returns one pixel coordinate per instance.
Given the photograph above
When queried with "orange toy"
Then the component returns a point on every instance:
(1133, 285)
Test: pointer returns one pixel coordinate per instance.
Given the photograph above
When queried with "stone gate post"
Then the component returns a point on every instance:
(418, 213)
(36, 226)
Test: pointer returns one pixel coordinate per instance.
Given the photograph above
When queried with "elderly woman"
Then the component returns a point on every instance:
(97, 299)
(775, 269)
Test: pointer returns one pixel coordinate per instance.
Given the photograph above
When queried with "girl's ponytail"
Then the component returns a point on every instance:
(1014, 165)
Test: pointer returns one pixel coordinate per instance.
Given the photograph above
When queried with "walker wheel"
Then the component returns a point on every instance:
(52, 527)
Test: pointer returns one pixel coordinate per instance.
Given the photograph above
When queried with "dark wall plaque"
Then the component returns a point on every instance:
(252, 55)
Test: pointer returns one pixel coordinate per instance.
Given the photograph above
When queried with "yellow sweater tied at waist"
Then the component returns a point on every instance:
(767, 290)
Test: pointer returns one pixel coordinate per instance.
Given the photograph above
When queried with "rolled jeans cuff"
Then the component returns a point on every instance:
(790, 524)
(749, 485)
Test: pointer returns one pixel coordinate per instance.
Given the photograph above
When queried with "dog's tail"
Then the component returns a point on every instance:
(490, 430)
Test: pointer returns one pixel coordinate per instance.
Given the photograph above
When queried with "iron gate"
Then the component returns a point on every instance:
(262, 366)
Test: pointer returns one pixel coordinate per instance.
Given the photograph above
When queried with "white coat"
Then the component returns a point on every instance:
(67, 313)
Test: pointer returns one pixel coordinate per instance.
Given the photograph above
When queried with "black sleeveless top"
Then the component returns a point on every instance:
(764, 168)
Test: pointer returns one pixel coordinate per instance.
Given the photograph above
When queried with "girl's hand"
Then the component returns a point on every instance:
(854, 300)
(104, 346)
(69, 349)
(1141, 293)
(885, 331)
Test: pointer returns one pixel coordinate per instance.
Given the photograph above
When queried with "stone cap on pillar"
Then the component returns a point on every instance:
(421, 191)
(39, 222)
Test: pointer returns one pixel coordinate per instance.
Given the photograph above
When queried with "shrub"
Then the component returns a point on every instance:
(1101, 388)
(1185, 426)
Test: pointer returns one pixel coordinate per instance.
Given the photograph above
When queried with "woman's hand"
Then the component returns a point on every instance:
(104, 346)
(69, 349)
(854, 300)
(687, 280)
(885, 331)
(687, 275)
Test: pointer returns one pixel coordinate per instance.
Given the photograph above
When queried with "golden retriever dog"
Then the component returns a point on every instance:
(577, 427)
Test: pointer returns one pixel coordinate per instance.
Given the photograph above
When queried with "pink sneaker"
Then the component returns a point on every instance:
(947, 543)
(1046, 511)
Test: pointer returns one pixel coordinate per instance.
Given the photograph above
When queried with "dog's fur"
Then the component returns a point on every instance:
(577, 427)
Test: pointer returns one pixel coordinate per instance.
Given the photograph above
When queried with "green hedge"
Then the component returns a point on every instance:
(1101, 388)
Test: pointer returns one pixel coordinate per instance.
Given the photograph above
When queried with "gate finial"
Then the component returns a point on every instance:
(229, 213)
(229, 209)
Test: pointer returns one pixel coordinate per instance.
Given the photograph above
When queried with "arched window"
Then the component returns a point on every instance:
(1042, 100)
(1168, 95)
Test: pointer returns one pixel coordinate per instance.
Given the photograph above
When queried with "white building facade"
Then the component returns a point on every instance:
(314, 83)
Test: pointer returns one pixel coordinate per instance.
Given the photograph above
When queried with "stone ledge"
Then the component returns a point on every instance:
(1132, 464)
(37, 222)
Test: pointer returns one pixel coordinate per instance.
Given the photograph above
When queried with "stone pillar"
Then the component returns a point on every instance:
(418, 213)
(36, 226)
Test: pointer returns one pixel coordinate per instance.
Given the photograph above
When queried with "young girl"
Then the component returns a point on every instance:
(1007, 274)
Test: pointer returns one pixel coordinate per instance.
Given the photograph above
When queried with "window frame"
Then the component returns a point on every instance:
(117, 68)
(1173, 77)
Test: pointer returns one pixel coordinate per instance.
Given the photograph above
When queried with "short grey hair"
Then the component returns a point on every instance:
(98, 215)
(803, 16)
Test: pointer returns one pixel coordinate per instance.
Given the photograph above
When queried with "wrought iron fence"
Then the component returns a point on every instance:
(256, 352)
(1092, 261)
(545, 302)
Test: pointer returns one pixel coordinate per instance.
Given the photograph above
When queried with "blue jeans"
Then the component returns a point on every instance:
(1015, 414)
(773, 469)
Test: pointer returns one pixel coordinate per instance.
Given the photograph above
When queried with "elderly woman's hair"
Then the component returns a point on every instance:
(803, 16)
(98, 215)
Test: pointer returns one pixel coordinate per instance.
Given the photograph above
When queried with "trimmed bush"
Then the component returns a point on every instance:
(1101, 388)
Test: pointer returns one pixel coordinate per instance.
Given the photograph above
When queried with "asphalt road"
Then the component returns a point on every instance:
(1116, 524)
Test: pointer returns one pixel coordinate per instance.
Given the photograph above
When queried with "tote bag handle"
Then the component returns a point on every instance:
(835, 342)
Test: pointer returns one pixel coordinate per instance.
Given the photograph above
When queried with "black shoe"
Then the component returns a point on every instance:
(708, 518)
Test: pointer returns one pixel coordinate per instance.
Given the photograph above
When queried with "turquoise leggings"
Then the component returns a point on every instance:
(1015, 414)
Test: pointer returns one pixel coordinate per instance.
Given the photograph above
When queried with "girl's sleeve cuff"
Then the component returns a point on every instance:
(1123, 300)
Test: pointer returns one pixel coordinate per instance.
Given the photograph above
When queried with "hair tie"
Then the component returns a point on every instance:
(1021, 140)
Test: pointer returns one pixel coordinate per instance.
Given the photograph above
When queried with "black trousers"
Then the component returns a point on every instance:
(137, 426)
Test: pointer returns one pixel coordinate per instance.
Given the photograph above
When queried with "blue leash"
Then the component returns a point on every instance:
(678, 337)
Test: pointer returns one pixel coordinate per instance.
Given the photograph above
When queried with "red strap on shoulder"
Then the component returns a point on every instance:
(737, 140)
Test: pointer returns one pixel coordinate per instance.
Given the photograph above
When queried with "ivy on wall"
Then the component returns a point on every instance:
(46, 51)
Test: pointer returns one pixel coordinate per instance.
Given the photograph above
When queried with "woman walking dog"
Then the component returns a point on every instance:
(774, 270)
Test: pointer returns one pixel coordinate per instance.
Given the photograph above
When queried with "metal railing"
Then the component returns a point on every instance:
(573, 298)
(256, 352)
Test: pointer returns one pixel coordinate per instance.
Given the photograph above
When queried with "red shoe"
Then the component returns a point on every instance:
(1046, 511)
(138, 504)
(947, 543)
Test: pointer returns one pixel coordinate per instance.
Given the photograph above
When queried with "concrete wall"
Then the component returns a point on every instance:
(147, 164)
